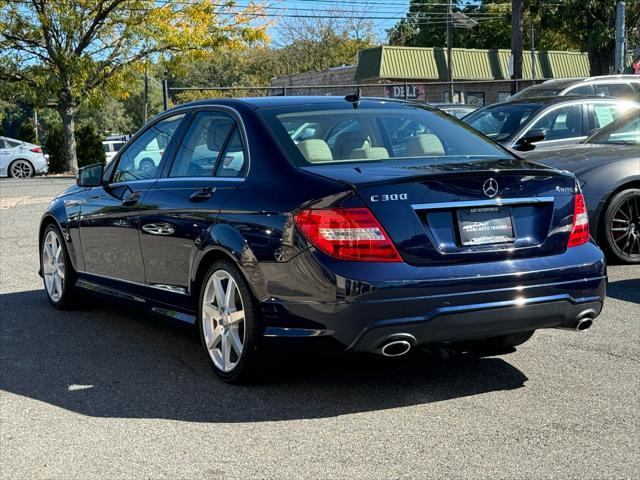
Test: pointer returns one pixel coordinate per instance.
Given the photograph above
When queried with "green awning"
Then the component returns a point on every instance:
(410, 63)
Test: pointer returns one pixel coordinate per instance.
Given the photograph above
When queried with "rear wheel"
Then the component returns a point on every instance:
(228, 322)
(21, 169)
(57, 272)
(147, 166)
(621, 226)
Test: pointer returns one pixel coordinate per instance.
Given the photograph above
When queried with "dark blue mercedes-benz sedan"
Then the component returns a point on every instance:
(378, 225)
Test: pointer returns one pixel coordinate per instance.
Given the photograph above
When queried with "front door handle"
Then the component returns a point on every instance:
(203, 194)
(131, 199)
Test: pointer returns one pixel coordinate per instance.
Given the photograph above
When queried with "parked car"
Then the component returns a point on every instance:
(368, 238)
(458, 110)
(527, 125)
(621, 86)
(112, 145)
(20, 159)
(608, 168)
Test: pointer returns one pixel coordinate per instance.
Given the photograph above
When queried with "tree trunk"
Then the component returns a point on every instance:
(68, 109)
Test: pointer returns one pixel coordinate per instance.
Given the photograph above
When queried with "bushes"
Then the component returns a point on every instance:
(53, 145)
(27, 132)
(89, 148)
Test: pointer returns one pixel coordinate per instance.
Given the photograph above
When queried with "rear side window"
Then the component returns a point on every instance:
(604, 114)
(615, 89)
(581, 90)
(201, 146)
(367, 133)
(500, 122)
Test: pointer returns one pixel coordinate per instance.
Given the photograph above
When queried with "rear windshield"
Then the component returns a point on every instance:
(500, 122)
(535, 93)
(337, 133)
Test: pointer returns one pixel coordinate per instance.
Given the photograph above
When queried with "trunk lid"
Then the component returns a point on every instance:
(449, 212)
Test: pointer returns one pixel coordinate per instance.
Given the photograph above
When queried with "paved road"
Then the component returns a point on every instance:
(108, 393)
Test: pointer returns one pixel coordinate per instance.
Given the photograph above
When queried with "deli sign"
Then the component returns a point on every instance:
(414, 92)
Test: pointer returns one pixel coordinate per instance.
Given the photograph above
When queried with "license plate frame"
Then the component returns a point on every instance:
(479, 226)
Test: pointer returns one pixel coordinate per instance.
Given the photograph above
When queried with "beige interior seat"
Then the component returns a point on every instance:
(425, 144)
(315, 150)
(347, 142)
(370, 153)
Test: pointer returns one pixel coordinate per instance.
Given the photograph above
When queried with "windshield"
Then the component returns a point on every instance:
(500, 122)
(625, 131)
(335, 133)
(534, 93)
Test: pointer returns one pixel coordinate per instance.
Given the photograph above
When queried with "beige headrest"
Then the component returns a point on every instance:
(315, 150)
(370, 153)
(424, 144)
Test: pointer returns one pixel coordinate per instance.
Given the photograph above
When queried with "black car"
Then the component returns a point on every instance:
(529, 125)
(608, 168)
(387, 226)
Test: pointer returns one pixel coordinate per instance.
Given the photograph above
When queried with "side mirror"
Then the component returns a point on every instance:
(532, 136)
(90, 176)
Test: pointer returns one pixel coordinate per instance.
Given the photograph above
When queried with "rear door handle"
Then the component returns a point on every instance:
(203, 194)
(131, 199)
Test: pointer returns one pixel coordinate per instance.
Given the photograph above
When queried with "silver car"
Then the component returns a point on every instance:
(21, 159)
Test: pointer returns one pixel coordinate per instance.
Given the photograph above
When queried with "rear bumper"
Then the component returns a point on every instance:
(435, 304)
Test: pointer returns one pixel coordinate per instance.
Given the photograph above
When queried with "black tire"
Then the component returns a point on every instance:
(32, 171)
(624, 203)
(247, 363)
(69, 295)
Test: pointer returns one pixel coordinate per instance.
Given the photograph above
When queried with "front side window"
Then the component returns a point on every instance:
(581, 90)
(560, 123)
(501, 122)
(141, 159)
(372, 133)
(201, 146)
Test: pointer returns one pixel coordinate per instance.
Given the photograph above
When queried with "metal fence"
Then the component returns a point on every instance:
(474, 92)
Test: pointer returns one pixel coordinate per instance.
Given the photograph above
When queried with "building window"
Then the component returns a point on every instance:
(502, 96)
(475, 98)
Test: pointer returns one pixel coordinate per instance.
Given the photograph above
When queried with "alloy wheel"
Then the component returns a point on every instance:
(223, 320)
(53, 266)
(625, 227)
(21, 169)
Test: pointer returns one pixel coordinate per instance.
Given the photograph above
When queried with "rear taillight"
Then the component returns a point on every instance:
(347, 234)
(580, 226)
(36, 150)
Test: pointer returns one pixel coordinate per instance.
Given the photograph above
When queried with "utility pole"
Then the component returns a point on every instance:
(165, 94)
(533, 51)
(35, 123)
(620, 37)
(516, 42)
(145, 101)
(449, 53)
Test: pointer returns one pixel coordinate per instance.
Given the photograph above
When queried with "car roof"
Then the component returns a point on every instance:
(286, 101)
(551, 100)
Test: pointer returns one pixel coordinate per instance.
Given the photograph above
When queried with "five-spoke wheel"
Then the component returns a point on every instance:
(53, 265)
(228, 324)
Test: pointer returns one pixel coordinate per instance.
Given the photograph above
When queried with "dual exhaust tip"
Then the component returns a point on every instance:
(399, 345)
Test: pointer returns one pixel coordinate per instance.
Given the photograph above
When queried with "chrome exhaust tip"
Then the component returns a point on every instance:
(396, 348)
(584, 324)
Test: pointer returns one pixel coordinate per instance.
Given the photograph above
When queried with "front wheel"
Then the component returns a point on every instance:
(621, 226)
(57, 271)
(228, 322)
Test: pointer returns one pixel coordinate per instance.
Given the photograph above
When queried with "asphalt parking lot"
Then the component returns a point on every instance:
(105, 392)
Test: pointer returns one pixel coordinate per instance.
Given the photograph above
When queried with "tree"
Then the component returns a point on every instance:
(90, 148)
(76, 50)
(27, 132)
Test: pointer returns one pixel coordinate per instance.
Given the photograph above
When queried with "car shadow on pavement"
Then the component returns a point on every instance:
(627, 290)
(107, 361)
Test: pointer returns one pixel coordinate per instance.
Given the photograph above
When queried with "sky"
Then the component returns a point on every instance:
(374, 8)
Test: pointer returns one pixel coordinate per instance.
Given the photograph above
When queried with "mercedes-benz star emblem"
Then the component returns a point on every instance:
(490, 187)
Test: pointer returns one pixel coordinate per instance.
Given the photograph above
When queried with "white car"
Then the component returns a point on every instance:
(112, 144)
(20, 159)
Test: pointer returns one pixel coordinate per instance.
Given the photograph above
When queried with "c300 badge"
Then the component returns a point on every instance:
(389, 197)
